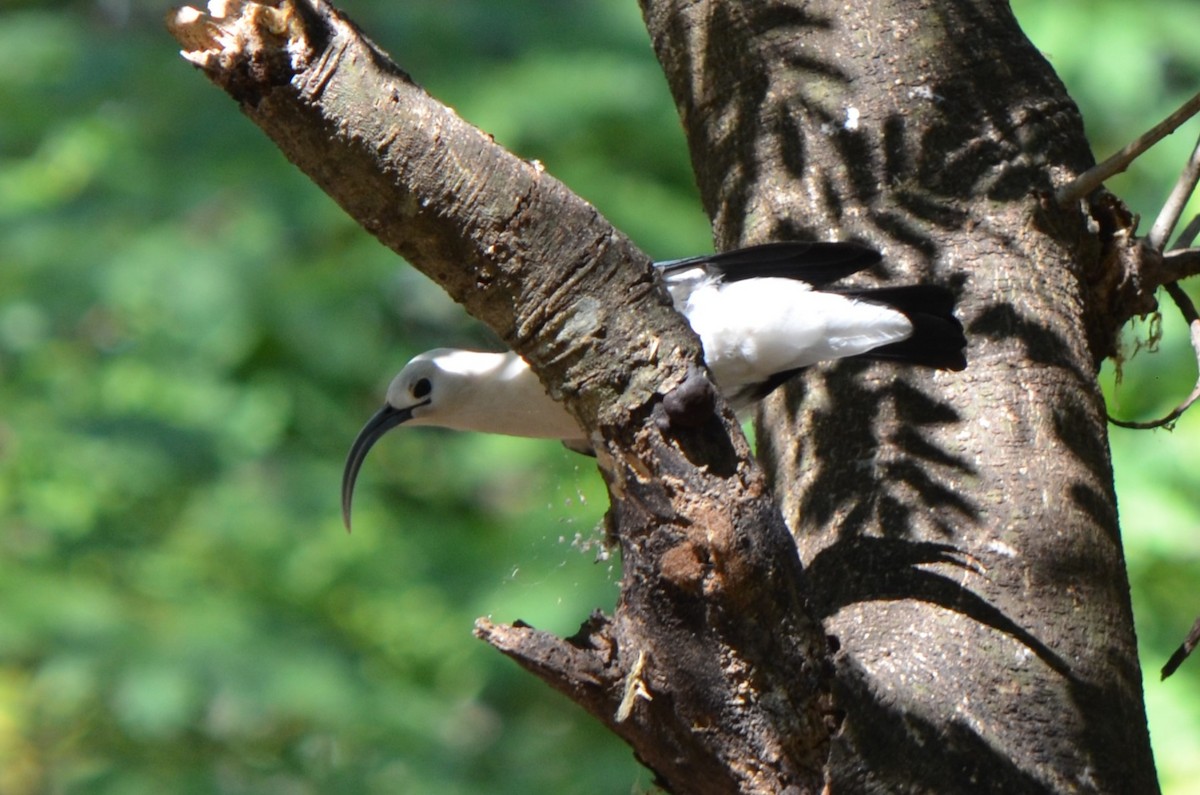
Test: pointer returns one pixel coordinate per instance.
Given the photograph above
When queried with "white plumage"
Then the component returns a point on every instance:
(753, 329)
(760, 316)
(477, 391)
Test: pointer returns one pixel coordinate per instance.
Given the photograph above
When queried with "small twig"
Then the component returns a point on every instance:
(1189, 233)
(1182, 260)
(1186, 307)
(1168, 217)
(1180, 264)
(1095, 176)
(1183, 651)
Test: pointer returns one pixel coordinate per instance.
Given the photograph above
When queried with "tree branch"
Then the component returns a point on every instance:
(712, 616)
(1180, 264)
(481, 222)
(1093, 178)
(1185, 649)
(1173, 207)
(1134, 268)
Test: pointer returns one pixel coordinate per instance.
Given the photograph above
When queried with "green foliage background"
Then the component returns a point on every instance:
(191, 334)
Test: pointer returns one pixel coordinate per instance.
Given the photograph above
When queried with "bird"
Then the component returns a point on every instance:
(762, 314)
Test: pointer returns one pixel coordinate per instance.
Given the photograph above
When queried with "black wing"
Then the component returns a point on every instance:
(818, 264)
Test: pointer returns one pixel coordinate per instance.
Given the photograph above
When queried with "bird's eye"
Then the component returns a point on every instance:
(421, 388)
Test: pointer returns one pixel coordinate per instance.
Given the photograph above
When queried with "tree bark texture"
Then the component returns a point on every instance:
(959, 531)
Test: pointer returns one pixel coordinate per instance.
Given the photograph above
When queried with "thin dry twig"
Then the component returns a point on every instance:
(1189, 234)
(1182, 261)
(1183, 651)
(1172, 209)
(1095, 176)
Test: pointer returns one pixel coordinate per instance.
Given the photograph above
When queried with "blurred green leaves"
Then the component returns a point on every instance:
(190, 336)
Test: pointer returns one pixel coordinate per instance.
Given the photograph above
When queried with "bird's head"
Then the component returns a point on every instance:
(445, 387)
(417, 392)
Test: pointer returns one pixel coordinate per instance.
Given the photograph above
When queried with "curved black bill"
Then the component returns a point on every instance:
(380, 423)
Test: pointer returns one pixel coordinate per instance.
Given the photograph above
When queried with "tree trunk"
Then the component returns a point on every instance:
(959, 531)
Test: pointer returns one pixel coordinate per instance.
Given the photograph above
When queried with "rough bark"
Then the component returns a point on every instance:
(960, 531)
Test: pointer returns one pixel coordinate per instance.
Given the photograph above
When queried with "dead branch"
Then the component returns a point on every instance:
(1185, 649)
(1095, 176)
(1172, 208)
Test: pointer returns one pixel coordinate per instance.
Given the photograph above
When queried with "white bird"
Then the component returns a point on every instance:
(760, 317)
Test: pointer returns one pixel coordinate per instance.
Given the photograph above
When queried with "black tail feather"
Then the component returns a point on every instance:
(937, 339)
